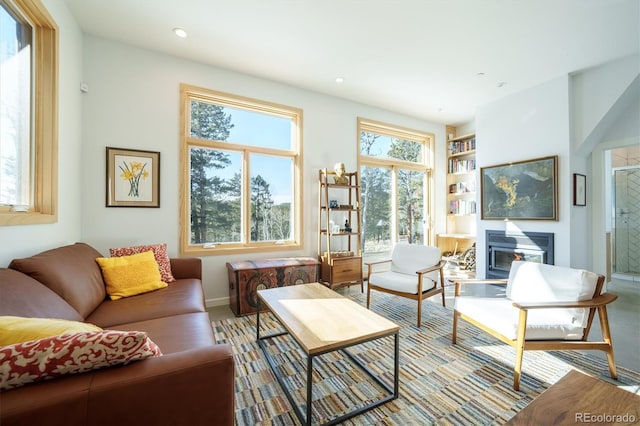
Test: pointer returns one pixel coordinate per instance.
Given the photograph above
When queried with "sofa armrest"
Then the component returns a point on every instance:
(194, 387)
(186, 267)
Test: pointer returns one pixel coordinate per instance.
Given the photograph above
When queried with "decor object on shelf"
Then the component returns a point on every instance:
(414, 272)
(133, 178)
(340, 178)
(546, 307)
(520, 190)
(579, 190)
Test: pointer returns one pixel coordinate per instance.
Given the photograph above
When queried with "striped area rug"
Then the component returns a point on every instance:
(470, 383)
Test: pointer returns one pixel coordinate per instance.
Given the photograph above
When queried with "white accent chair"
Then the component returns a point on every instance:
(546, 307)
(413, 272)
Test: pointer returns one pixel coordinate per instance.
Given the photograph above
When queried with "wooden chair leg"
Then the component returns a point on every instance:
(454, 334)
(419, 309)
(368, 294)
(606, 336)
(517, 369)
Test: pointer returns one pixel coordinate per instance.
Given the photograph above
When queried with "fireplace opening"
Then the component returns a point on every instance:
(504, 248)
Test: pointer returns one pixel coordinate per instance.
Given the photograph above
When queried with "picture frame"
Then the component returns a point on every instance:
(133, 178)
(522, 190)
(579, 189)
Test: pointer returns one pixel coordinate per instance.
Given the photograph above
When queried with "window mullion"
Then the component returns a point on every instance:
(246, 197)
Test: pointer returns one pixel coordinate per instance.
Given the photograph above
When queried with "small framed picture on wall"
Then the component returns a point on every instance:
(133, 178)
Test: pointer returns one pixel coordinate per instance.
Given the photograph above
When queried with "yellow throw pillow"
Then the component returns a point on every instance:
(21, 329)
(130, 275)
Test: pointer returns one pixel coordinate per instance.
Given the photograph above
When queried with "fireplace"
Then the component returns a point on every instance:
(504, 247)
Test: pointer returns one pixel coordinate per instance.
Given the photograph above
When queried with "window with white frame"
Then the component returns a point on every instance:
(28, 113)
(396, 186)
(242, 161)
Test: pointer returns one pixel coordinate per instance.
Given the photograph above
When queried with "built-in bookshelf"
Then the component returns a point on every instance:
(461, 197)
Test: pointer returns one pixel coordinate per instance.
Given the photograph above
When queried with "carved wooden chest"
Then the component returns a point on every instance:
(247, 277)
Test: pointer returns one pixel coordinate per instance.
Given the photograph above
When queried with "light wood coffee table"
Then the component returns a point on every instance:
(321, 321)
(580, 399)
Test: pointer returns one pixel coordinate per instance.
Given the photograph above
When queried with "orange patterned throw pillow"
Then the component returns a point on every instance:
(159, 252)
(55, 356)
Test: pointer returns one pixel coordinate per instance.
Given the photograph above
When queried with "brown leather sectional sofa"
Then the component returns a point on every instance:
(192, 383)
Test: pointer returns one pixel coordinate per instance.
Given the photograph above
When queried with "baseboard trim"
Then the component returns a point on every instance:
(221, 301)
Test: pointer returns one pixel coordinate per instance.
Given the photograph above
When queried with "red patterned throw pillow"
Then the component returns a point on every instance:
(50, 357)
(159, 252)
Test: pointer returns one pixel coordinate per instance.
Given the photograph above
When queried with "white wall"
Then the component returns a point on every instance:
(133, 102)
(22, 241)
(527, 125)
(578, 118)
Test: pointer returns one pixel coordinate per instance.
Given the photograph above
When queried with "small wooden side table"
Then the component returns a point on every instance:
(581, 399)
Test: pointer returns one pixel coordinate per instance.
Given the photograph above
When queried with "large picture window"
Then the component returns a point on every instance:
(396, 187)
(28, 113)
(242, 173)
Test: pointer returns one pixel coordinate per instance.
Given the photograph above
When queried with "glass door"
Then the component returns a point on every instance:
(626, 218)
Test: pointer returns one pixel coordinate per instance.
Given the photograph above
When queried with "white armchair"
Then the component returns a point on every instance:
(413, 272)
(546, 307)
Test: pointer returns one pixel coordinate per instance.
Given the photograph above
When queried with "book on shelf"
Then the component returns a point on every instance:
(462, 207)
(457, 165)
(458, 147)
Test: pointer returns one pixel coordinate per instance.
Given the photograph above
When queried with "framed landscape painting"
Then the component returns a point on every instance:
(133, 178)
(523, 190)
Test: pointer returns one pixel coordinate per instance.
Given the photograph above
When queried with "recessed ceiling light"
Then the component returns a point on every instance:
(339, 80)
(502, 84)
(180, 32)
(480, 74)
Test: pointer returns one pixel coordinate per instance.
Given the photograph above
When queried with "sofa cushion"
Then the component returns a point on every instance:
(181, 297)
(177, 333)
(159, 252)
(130, 275)
(23, 296)
(50, 357)
(71, 272)
(20, 329)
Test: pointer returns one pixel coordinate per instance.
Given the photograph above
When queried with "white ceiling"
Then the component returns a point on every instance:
(417, 57)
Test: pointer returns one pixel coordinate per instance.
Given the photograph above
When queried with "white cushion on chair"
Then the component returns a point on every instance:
(498, 314)
(406, 260)
(409, 258)
(403, 283)
(537, 282)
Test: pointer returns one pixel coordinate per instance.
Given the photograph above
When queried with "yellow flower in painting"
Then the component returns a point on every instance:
(133, 172)
(510, 188)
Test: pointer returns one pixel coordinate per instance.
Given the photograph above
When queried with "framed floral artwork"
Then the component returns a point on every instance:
(133, 178)
(522, 190)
